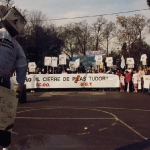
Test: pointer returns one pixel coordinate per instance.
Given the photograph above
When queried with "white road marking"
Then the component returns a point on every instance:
(92, 109)
(14, 132)
(41, 118)
(102, 129)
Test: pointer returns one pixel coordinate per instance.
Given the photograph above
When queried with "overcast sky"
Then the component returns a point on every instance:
(56, 9)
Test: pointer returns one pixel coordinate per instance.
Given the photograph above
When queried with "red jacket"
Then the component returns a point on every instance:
(128, 77)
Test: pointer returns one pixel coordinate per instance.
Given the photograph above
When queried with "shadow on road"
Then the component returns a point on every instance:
(136, 146)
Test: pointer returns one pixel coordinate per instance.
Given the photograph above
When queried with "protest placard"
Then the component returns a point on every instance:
(8, 108)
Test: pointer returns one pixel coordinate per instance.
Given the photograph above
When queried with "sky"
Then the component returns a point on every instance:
(57, 9)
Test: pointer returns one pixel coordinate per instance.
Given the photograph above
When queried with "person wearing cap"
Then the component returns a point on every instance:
(12, 57)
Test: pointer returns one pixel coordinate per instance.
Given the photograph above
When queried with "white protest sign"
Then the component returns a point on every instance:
(47, 61)
(130, 66)
(146, 81)
(99, 58)
(109, 61)
(72, 65)
(8, 108)
(62, 59)
(143, 57)
(31, 66)
(54, 62)
(130, 61)
(144, 63)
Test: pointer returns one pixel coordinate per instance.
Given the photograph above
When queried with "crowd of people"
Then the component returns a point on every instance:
(131, 80)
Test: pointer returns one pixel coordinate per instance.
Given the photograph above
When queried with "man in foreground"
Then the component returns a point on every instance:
(12, 57)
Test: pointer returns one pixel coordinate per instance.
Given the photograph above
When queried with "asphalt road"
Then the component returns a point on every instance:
(83, 120)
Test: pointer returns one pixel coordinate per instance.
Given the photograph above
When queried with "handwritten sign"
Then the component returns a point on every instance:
(8, 108)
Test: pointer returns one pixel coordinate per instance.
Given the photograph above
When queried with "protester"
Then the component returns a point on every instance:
(64, 71)
(110, 71)
(101, 71)
(135, 81)
(127, 81)
(140, 80)
(148, 73)
(122, 83)
(12, 55)
(89, 69)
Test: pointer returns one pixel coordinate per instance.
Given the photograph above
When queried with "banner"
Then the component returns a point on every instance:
(93, 53)
(70, 81)
(8, 108)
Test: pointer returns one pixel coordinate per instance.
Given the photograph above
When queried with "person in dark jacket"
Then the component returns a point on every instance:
(12, 56)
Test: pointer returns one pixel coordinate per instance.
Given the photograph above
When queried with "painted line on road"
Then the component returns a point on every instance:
(41, 118)
(102, 129)
(92, 109)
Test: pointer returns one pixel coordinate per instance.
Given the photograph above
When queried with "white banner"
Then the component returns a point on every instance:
(93, 53)
(146, 81)
(70, 81)
(8, 108)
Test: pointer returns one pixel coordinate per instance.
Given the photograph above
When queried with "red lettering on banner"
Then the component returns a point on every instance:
(86, 84)
(42, 84)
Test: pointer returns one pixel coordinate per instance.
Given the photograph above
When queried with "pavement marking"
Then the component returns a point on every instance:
(113, 124)
(14, 132)
(134, 131)
(84, 133)
(102, 129)
(92, 109)
(50, 94)
(126, 125)
(41, 118)
(45, 95)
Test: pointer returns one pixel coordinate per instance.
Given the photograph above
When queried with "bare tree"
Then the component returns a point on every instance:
(97, 31)
(109, 33)
(130, 29)
(70, 42)
(7, 3)
(81, 32)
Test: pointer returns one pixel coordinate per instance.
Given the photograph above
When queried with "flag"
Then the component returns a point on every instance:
(122, 62)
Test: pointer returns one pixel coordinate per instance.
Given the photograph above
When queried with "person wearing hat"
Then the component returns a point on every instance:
(12, 57)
